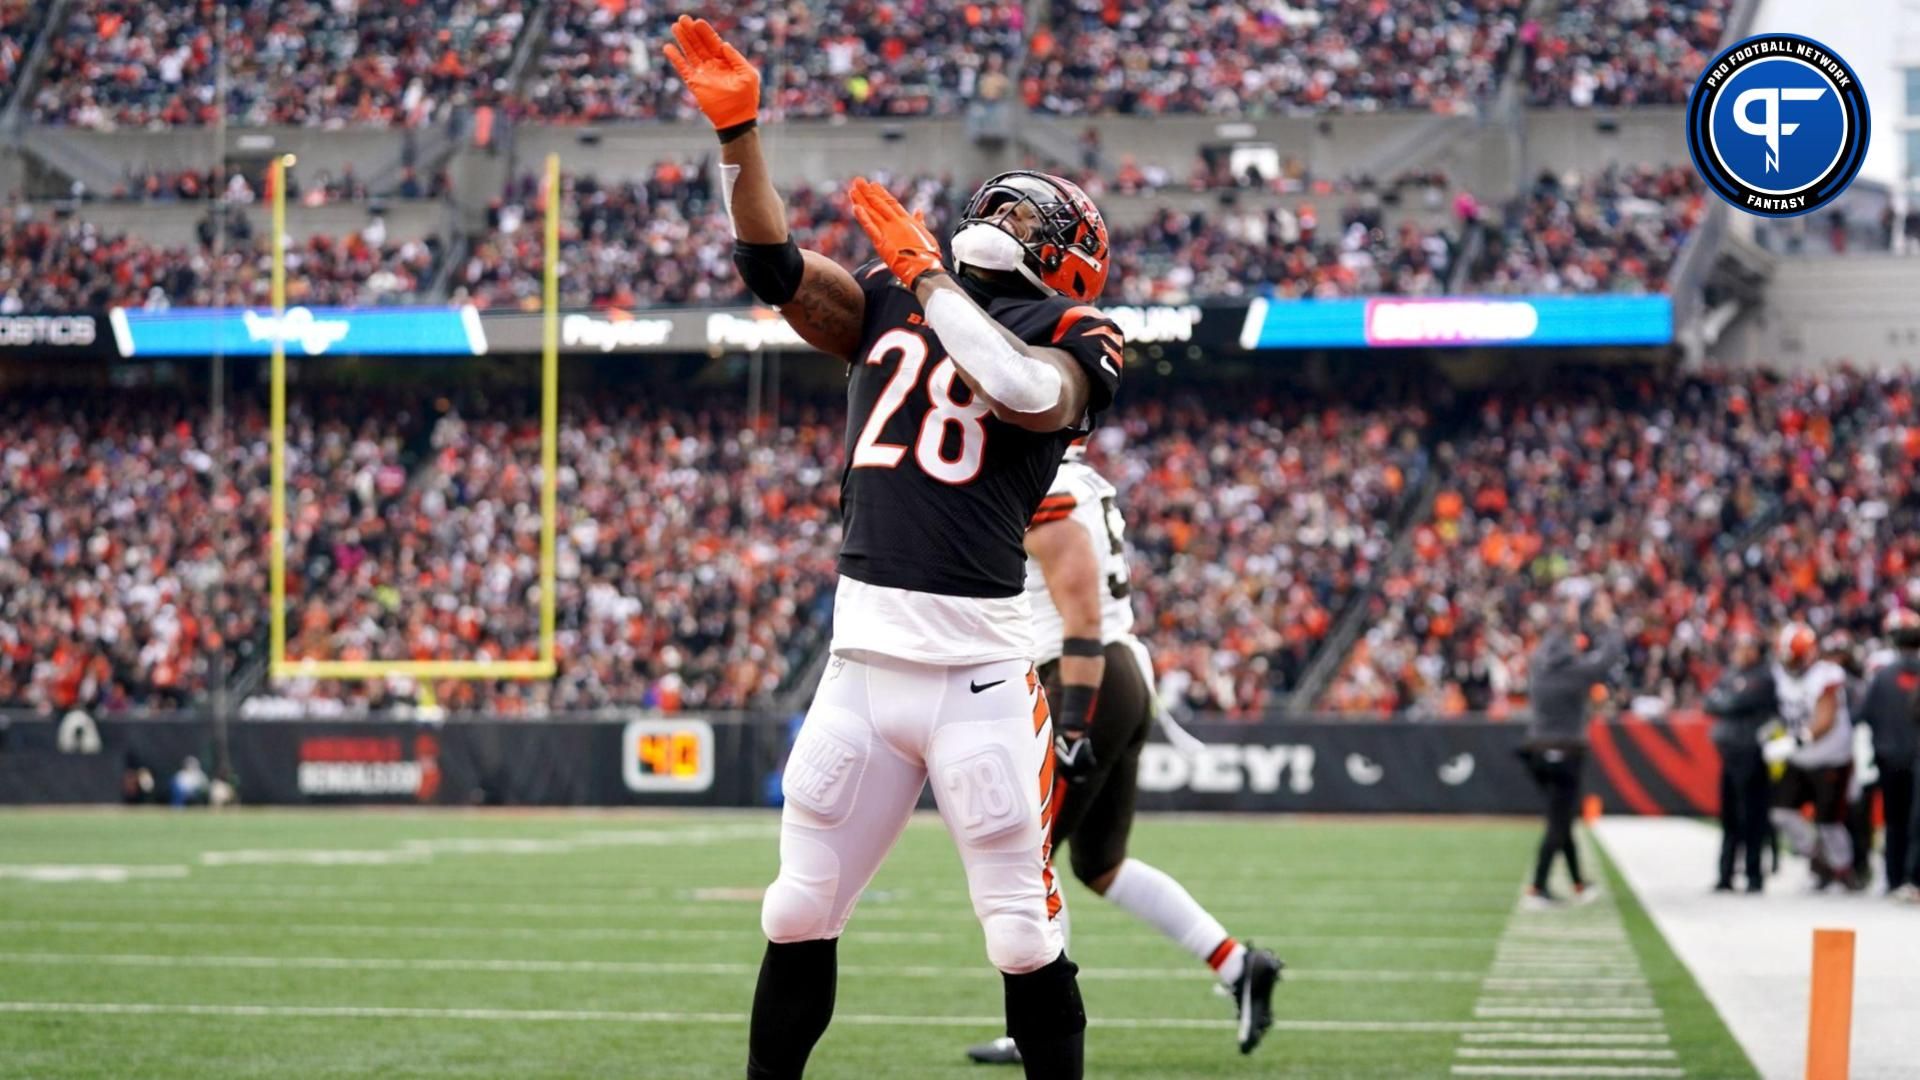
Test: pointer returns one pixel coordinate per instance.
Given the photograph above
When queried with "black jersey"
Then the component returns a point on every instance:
(937, 491)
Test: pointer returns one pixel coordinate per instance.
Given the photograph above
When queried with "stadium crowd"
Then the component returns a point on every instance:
(666, 240)
(20, 24)
(156, 184)
(1622, 52)
(115, 63)
(1101, 56)
(1702, 505)
(413, 535)
(73, 265)
(383, 63)
(119, 586)
(1251, 527)
(132, 552)
(1618, 232)
(853, 58)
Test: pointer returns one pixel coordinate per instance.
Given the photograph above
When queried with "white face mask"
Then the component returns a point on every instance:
(987, 247)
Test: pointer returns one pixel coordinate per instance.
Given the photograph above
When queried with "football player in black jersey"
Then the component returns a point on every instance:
(965, 386)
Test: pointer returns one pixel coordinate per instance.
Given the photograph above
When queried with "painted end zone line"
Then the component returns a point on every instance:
(375, 1012)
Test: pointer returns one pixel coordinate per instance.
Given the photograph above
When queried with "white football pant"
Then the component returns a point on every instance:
(881, 727)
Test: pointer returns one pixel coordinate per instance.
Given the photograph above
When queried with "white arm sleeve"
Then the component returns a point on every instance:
(729, 176)
(1006, 374)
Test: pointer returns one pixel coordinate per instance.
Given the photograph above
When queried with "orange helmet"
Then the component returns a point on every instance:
(1797, 644)
(1065, 244)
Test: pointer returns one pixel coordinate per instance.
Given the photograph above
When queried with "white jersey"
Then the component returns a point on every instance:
(1084, 497)
(1797, 694)
(930, 629)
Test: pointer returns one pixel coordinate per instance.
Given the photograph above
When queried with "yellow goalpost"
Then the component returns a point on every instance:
(283, 667)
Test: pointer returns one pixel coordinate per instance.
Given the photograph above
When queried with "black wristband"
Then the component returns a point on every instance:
(728, 134)
(1076, 706)
(1081, 646)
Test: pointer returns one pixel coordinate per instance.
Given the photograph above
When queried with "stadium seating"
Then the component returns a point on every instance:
(1622, 52)
(666, 240)
(21, 23)
(119, 588)
(1251, 529)
(383, 63)
(1702, 503)
(1184, 57)
(53, 265)
(1618, 232)
(412, 539)
(302, 62)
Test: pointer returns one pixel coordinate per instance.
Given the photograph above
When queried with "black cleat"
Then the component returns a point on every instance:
(1253, 996)
(1000, 1051)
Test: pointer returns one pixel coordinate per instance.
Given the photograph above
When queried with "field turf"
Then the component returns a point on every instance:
(441, 944)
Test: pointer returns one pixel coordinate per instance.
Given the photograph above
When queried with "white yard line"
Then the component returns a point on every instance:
(855, 936)
(88, 873)
(1553, 1037)
(1535, 1013)
(375, 1012)
(1597, 1071)
(1573, 966)
(645, 967)
(1564, 1053)
(214, 900)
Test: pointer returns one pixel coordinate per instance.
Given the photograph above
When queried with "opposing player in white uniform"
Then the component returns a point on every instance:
(964, 388)
(1817, 750)
(1100, 680)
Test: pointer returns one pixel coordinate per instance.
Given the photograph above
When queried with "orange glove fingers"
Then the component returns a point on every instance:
(723, 83)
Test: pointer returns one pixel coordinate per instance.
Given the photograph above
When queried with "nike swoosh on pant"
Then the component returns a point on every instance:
(978, 688)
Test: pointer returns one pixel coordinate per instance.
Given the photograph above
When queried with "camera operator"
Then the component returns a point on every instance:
(1741, 703)
(1579, 651)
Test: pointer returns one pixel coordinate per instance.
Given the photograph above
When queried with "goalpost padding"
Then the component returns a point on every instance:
(283, 667)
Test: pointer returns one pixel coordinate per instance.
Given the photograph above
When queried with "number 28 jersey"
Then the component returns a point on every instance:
(937, 492)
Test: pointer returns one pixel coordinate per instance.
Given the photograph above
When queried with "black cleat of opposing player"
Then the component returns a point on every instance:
(1253, 996)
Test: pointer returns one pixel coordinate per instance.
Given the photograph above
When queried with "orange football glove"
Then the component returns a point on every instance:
(904, 243)
(726, 87)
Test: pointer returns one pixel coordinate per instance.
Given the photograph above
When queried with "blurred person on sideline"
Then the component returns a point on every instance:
(1817, 749)
(1893, 688)
(1580, 651)
(1741, 702)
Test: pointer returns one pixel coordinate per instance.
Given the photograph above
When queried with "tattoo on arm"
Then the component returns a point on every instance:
(828, 309)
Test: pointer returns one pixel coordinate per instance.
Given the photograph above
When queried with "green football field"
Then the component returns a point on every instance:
(438, 944)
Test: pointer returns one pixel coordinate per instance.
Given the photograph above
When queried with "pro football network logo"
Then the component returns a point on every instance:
(1778, 125)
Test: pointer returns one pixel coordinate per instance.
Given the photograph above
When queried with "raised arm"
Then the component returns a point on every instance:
(818, 296)
(1029, 386)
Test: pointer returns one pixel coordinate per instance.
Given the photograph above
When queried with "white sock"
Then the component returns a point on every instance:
(1838, 845)
(1155, 898)
(1798, 832)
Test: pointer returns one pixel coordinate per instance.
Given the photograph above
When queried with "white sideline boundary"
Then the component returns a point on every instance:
(1753, 956)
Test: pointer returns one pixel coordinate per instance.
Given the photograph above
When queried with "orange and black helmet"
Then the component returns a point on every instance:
(1066, 239)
